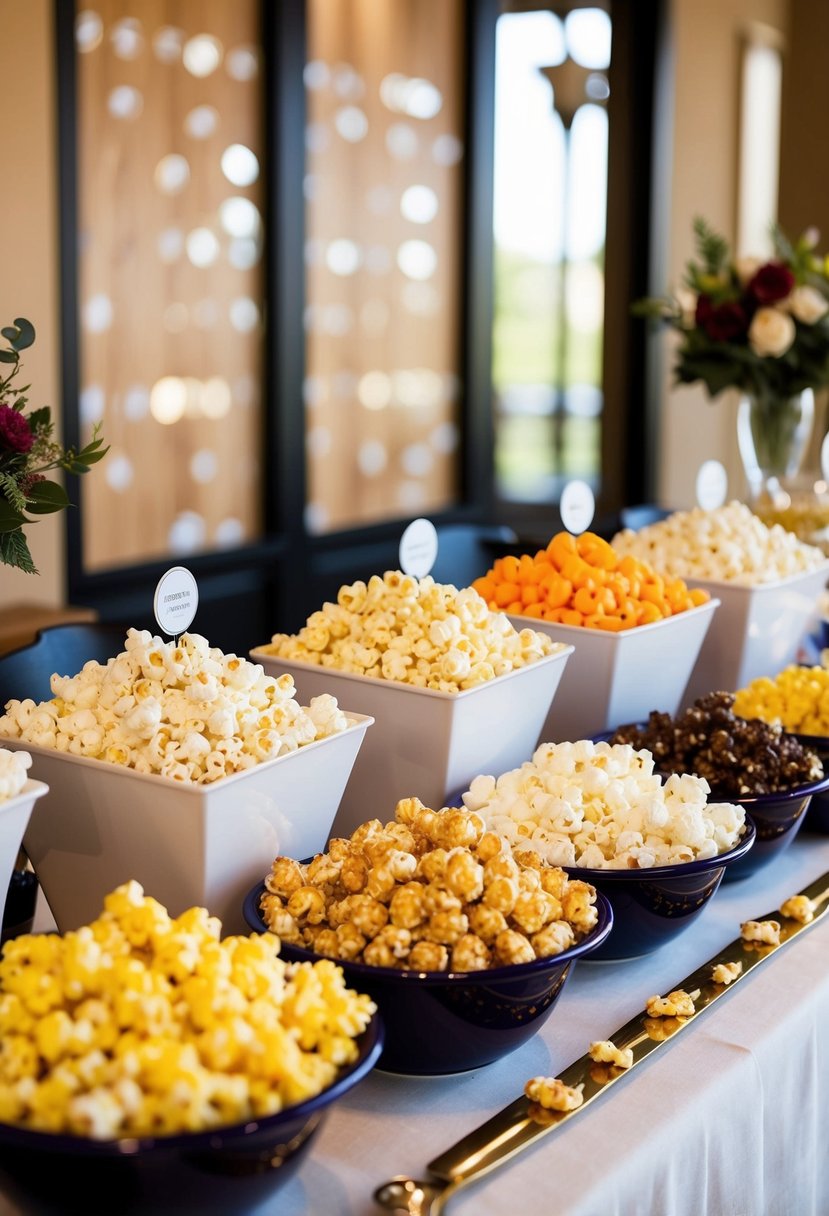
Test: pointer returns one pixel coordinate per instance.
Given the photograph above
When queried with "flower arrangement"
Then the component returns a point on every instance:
(761, 326)
(28, 452)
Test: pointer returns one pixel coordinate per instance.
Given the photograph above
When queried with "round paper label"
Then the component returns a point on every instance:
(418, 548)
(577, 506)
(176, 600)
(712, 485)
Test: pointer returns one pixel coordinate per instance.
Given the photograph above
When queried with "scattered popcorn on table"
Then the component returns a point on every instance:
(415, 631)
(800, 908)
(140, 1024)
(429, 891)
(605, 1052)
(13, 769)
(678, 1004)
(729, 545)
(726, 973)
(186, 711)
(764, 932)
(602, 807)
(797, 699)
(553, 1094)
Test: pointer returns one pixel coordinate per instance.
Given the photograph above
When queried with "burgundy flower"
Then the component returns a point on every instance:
(15, 432)
(771, 283)
(721, 322)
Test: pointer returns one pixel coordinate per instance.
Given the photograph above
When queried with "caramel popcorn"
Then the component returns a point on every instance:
(678, 1004)
(800, 908)
(729, 544)
(413, 631)
(764, 932)
(186, 711)
(553, 1094)
(599, 806)
(143, 1025)
(431, 905)
(605, 1052)
(13, 769)
(726, 973)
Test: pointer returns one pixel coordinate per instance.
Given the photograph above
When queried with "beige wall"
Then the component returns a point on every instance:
(702, 179)
(29, 250)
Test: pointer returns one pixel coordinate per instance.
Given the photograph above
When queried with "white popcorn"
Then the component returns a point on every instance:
(605, 1052)
(13, 769)
(187, 712)
(726, 973)
(730, 544)
(599, 806)
(415, 631)
(764, 932)
(799, 907)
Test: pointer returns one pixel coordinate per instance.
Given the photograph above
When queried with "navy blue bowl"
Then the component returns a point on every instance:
(652, 907)
(817, 813)
(228, 1169)
(440, 1022)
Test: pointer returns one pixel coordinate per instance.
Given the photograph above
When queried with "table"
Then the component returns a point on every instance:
(730, 1119)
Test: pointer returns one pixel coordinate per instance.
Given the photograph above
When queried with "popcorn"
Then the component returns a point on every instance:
(605, 1052)
(729, 544)
(552, 1094)
(678, 1004)
(726, 973)
(13, 769)
(800, 908)
(601, 806)
(187, 712)
(764, 932)
(426, 891)
(414, 631)
(140, 1024)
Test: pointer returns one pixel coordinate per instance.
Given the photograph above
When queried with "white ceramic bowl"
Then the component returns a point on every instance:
(187, 845)
(757, 630)
(14, 815)
(620, 677)
(429, 744)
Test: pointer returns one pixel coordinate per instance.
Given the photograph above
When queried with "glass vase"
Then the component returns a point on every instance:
(773, 433)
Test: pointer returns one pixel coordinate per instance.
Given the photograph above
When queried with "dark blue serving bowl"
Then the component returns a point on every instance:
(817, 813)
(440, 1022)
(213, 1173)
(652, 907)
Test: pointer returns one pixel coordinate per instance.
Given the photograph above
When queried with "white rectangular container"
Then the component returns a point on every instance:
(425, 743)
(14, 815)
(103, 824)
(614, 678)
(757, 630)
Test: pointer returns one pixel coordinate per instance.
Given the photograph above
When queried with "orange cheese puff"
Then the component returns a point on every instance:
(556, 591)
(611, 624)
(530, 594)
(562, 546)
(697, 596)
(570, 616)
(648, 613)
(516, 608)
(596, 551)
(508, 568)
(485, 587)
(507, 593)
(589, 601)
(534, 610)
(579, 571)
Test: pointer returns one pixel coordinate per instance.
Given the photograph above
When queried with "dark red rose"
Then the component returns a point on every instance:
(15, 432)
(721, 322)
(771, 283)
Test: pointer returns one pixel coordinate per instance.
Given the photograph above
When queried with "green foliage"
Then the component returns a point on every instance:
(25, 490)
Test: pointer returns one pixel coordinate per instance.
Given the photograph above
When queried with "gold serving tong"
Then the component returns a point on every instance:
(523, 1122)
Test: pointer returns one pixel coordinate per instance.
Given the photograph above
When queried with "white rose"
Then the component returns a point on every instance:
(747, 268)
(807, 304)
(771, 332)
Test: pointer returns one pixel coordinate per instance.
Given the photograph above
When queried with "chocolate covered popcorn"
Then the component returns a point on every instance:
(14, 767)
(184, 710)
(427, 891)
(729, 544)
(603, 807)
(414, 631)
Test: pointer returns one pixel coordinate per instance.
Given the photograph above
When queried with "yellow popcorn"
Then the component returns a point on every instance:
(726, 973)
(799, 907)
(678, 1004)
(797, 699)
(605, 1052)
(143, 1024)
(552, 1094)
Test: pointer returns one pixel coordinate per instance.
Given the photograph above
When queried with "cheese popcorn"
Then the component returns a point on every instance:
(142, 1024)
(553, 1094)
(13, 769)
(602, 806)
(605, 1052)
(678, 1004)
(797, 699)
(187, 712)
(729, 544)
(427, 891)
(726, 973)
(763, 932)
(414, 631)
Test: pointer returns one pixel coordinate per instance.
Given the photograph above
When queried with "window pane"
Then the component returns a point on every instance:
(170, 197)
(384, 151)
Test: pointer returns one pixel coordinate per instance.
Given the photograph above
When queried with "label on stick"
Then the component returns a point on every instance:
(175, 601)
(418, 548)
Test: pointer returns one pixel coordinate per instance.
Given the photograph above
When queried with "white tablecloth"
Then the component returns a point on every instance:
(729, 1119)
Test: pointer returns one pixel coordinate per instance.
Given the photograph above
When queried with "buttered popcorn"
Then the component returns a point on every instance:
(14, 767)
(551, 1093)
(729, 544)
(415, 631)
(141, 1024)
(601, 806)
(186, 711)
(726, 973)
(429, 891)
